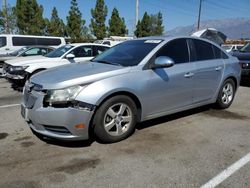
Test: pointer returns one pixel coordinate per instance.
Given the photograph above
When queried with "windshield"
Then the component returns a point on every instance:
(59, 51)
(129, 53)
(245, 48)
(2, 41)
(19, 51)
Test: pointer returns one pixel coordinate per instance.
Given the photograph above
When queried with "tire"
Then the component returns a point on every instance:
(226, 94)
(115, 119)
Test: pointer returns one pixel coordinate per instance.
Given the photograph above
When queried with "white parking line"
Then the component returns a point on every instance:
(227, 172)
(10, 105)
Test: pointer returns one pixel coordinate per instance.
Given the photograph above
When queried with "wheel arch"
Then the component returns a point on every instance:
(128, 94)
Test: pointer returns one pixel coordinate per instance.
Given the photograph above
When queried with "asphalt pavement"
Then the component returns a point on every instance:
(186, 149)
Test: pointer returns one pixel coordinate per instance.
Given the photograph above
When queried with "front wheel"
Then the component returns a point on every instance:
(226, 94)
(115, 120)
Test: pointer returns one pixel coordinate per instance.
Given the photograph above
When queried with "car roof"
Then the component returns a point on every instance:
(167, 38)
(89, 44)
(38, 46)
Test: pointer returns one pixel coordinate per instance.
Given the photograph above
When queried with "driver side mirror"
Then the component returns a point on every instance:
(163, 62)
(70, 56)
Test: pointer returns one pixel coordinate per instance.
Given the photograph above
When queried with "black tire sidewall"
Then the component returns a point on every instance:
(219, 103)
(99, 131)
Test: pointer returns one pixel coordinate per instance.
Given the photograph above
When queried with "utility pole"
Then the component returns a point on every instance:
(136, 13)
(199, 16)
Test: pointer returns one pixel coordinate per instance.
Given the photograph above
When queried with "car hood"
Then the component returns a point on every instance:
(76, 74)
(20, 61)
(241, 55)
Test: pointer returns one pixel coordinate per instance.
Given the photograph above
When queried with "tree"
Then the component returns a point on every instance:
(29, 17)
(150, 25)
(99, 15)
(7, 20)
(117, 26)
(75, 23)
(55, 26)
(156, 24)
(143, 27)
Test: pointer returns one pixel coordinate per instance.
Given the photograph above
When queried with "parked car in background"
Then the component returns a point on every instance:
(10, 43)
(25, 52)
(232, 47)
(20, 69)
(131, 82)
(113, 40)
(244, 57)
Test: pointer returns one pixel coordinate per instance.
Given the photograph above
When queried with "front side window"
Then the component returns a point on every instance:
(2, 41)
(204, 50)
(82, 51)
(23, 41)
(59, 51)
(35, 51)
(177, 50)
(129, 53)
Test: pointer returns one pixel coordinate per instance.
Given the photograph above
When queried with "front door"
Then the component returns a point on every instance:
(170, 89)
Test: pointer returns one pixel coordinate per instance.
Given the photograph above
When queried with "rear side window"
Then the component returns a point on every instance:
(49, 42)
(27, 41)
(177, 50)
(2, 41)
(204, 50)
(219, 54)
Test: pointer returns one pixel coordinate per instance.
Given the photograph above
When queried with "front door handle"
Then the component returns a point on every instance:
(189, 75)
(218, 68)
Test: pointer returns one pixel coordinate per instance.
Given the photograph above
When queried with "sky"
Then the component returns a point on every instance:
(175, 12)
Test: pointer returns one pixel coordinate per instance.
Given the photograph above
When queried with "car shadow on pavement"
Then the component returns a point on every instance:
(17, 87)
(245, 82)
(172, 117)
(68, 144)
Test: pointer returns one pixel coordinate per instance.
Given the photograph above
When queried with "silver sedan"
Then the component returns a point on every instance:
(132, 82)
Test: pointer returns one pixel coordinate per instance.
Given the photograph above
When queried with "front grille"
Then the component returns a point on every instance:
(57, 129)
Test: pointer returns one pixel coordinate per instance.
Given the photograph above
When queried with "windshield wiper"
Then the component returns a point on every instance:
(106, 62)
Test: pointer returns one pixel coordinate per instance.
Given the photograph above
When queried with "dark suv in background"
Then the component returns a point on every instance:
(244, 57)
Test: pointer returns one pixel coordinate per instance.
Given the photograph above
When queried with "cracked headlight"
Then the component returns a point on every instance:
(61, 96)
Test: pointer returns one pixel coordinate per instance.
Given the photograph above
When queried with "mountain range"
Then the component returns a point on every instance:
(234, 28)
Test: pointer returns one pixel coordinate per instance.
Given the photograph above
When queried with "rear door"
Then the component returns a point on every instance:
(209, 69)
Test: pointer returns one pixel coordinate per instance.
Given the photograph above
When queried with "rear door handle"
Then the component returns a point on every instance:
(218, 68)
(189, 75)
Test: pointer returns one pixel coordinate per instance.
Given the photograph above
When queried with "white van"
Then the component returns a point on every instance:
(10, 43)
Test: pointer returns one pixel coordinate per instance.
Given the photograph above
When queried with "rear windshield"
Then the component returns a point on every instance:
(59, 51)
(2, 41)
(129, 53)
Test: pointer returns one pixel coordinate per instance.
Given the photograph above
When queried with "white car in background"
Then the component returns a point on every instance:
(20, 69)
(232, 47)
(113, 40)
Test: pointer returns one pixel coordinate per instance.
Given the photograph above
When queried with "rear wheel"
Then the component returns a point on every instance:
(226, 94)
(115, 120)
